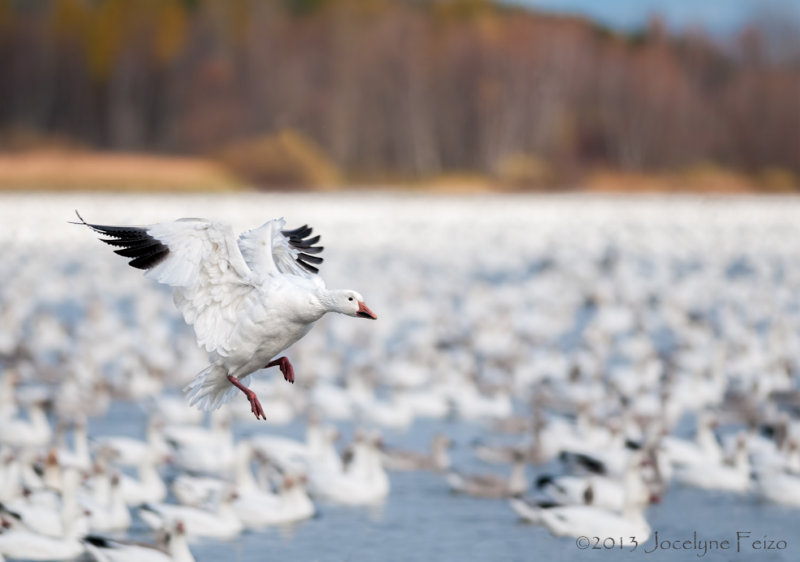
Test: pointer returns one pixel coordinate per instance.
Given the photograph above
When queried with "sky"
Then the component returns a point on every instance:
(716, 16)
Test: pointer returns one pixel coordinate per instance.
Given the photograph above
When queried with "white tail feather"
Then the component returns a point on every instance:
(210, 388)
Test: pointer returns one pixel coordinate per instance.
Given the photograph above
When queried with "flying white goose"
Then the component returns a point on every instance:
(247, 299)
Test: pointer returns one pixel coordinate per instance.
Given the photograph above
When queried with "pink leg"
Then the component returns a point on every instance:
(286, 368)
(255, 405)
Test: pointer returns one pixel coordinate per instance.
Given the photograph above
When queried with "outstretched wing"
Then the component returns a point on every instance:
(201, 261)
(269, 250)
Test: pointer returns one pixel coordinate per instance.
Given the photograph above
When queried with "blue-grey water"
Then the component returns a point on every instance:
(421, 519)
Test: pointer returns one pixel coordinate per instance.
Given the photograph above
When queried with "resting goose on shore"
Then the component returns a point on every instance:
(248, 299)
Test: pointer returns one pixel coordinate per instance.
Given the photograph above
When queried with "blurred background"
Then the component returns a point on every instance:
(553, 206)
(530, 94)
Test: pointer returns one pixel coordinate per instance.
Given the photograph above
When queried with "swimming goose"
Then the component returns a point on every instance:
(199, 491)
(590, 521)
(223, 523)
(318, 453)
(491, 485)
(361, 481)
(291, 504)
(32, 432)
(128, 451)
(437, 459)
(148, 486)
(111, 516)
(54, 519)
(78, 456)
(24, 544)
(608, 493)
(247, 299)
(10, 476)
(704, 449)
(201, 450)
(173, 549)
(734, 477)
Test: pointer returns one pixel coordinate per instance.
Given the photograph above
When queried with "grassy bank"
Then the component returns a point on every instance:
(67, 170)
(59, 170)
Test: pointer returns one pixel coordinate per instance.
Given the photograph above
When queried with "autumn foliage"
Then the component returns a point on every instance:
(410, 88)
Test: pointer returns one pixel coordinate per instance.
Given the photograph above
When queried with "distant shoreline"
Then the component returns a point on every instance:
(46, 170)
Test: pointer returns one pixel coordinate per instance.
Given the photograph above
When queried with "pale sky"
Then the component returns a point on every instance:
(718, 16)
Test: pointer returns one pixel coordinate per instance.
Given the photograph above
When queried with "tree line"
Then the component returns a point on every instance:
(408, 88)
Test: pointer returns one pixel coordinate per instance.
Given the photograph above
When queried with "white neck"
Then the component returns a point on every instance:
(633, 512)
(517, 483)
(80, 443)
(245, 481)
(179, 549)
(441, 460)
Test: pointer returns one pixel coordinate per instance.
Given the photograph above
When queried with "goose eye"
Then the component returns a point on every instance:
(350, 298)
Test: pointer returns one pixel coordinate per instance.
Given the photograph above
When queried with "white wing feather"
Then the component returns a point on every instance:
(267, 251)
(209, 276)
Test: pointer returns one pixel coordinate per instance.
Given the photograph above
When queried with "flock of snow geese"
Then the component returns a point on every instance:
(611, 358)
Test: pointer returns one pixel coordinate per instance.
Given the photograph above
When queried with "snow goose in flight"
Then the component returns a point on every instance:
(247, 299)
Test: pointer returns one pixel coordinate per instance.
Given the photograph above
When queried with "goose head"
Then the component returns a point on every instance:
(348, 302)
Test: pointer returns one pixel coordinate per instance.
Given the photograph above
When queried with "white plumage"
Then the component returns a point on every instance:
(247, 299)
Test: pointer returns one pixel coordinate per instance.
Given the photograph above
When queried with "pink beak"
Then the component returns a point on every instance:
(365, 312)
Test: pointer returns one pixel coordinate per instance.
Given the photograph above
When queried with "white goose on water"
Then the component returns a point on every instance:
(223, 523)
(19, 543)
(174, 547)
(247, 299)
(588, 520)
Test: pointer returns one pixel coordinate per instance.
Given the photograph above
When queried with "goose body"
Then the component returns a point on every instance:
(362, 481)
(592, 521)
(176, 548)
(734, 477)
(490, 485)
(778, 487)
(220, 524)
(32, 432)
(248, 299)
(437, 460)
(27, 545)
(291, 504)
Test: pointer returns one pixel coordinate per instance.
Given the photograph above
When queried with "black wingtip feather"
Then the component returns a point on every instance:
(304, 243)
(309, 259)
(310, 268)
(301, 232)
(134, 242)
(298, 239)
(98, 541)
